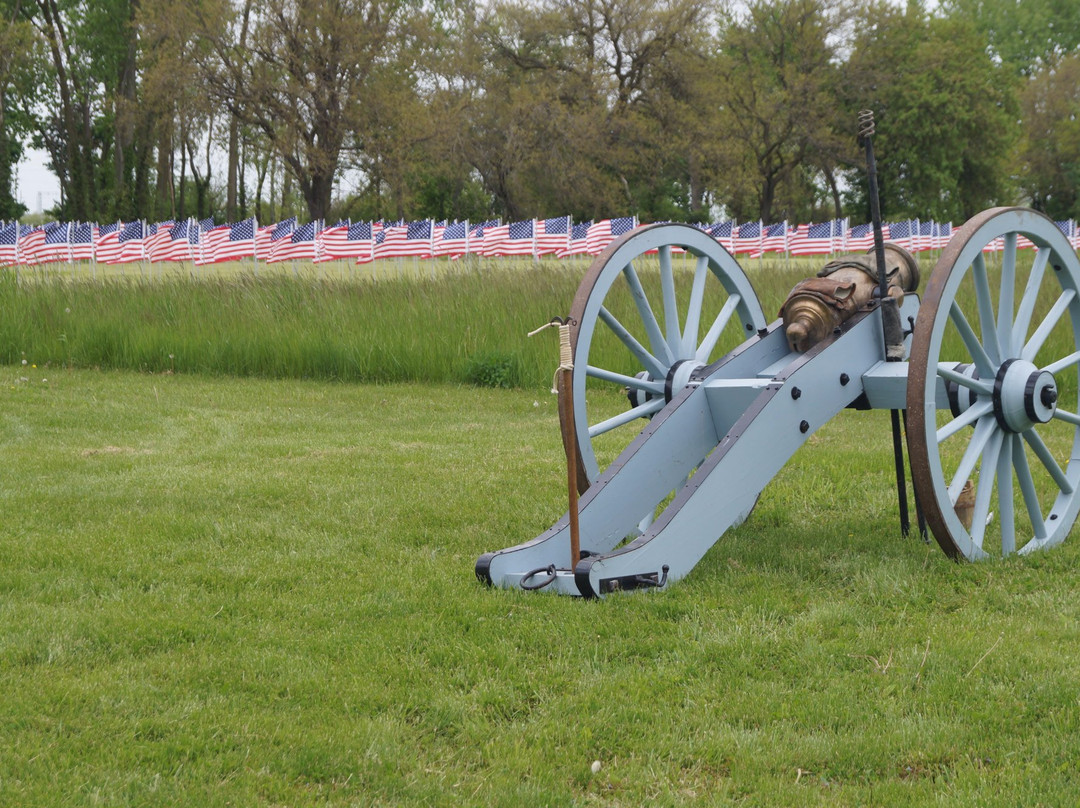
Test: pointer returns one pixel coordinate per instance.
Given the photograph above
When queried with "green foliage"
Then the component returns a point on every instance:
(532, 109)
(942, 146)
(1050, 151)
(776, 74)
(493, 369)
(1027, 36)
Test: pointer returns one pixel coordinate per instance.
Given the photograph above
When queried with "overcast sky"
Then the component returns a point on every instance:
(37, 181)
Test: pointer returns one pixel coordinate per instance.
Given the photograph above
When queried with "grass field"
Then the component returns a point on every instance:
(233, 591)
(420, 321)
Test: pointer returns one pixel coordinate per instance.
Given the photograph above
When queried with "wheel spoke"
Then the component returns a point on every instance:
(1067, 417)
(645, 312)
(985, 489)
(978, 385)
(626, 381)
(671, 310)
(1061, 364)
(975, 348)
(967, 418)
(717, 328)
(650, 362)
(1006, 296)
(983, 430)
(1027, 302)
(1027, 488)
(1007, 517)
(693, 309)
(1048, 461)
(986, 309)
(1047, 325)
(640, 411)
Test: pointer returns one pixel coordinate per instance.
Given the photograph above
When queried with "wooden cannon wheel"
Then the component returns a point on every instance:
(998, 337)
(658, 303)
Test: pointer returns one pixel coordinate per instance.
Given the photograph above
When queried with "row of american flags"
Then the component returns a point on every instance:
(203, 242)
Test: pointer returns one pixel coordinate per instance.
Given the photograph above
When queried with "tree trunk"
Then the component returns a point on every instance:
(166, 191)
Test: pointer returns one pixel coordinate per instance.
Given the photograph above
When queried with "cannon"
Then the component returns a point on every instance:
(984, 370)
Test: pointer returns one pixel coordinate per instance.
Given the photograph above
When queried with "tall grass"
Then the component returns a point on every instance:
(443, 325)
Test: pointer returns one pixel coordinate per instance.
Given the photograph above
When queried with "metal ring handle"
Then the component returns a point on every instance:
(549, 570)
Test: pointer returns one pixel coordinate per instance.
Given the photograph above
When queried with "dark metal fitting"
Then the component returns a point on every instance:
(548, 570)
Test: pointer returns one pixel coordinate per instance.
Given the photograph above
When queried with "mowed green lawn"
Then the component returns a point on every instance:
(219, 591)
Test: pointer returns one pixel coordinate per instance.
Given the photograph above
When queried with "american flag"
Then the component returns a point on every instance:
(437, 229)
(900, 233)
(774, 239)
(182, 236)
(942, 234)
(108, 246)
(1068, 229)
(131, 241)
(926, 236)
(397, 241)
(209, 241)
(579, 240)
(300, 246)
(552, 235)
(860, 238)
(268, 234)
(82, 241)
(453, 241)
(509, 239)
(279, 239)
(748, 237)
(477, 233)
(334, 243)
(816, 239)
(238, 243)
(30, 241)
(362, 234)
(602, 233)
(158, 239)
(9, 237)
(724, 233)
(51, 246)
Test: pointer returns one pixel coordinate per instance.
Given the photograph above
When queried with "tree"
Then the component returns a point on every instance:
(1050, 149)
(1027, 35)
(566, 105)
(946, 114)
(175, 104)
(302, 80)
(17, 61)
(776, 75)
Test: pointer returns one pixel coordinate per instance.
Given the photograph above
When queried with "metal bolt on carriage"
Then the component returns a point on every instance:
(983, 369)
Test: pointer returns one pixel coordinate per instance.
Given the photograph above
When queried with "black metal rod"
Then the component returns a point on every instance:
(920, 517)
(866, 132)
(901, 474)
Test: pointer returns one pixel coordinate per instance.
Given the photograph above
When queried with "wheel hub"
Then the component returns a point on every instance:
(679, 376)
(961, 399)
(1023, 395)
